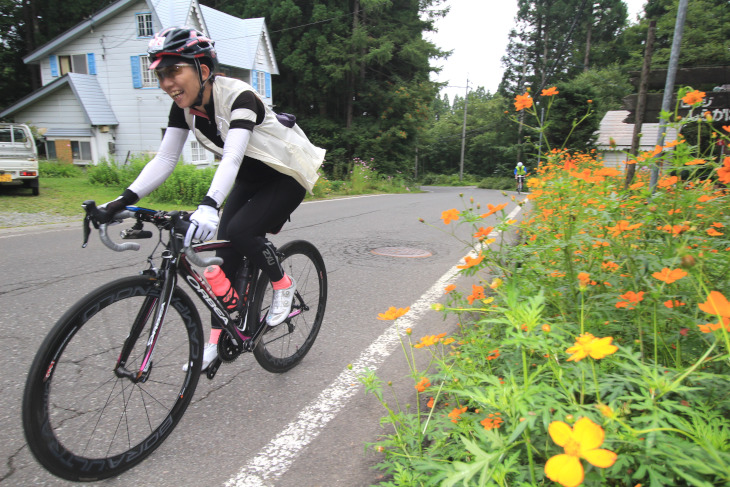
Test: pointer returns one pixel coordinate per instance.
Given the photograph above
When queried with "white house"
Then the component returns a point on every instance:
(614, 138)
(99, 100)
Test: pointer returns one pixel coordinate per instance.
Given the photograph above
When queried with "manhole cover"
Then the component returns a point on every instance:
(402, 252)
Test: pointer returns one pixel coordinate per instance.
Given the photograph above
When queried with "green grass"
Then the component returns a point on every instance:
(63, 196)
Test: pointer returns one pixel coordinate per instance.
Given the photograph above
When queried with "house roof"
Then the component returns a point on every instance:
(77, 31)
(612, 127)
(87, 90)
(237, 40)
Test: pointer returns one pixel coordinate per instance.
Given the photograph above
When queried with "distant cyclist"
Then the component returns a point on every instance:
(520, 173)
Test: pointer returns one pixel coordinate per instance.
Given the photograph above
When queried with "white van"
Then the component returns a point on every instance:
(18, 156)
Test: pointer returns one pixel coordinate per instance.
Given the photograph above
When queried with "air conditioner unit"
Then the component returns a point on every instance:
(112, 147)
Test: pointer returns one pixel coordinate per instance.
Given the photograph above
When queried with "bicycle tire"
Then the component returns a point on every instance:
(83, 422)
(283, 346)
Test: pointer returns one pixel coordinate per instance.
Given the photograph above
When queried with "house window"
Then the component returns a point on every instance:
(261, 86)
(73, 64)
(144, 25)
(149, 80)
(80, 151)
(197, 152)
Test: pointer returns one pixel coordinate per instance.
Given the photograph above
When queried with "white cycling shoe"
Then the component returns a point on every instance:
(210, 353)
(281, 305)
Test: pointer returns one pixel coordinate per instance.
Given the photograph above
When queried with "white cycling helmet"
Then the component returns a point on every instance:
(519, 163)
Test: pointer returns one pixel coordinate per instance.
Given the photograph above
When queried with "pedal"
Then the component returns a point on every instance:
(213, 368)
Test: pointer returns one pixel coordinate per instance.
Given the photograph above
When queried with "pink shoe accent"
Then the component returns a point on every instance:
(215, 334)
(284, 283)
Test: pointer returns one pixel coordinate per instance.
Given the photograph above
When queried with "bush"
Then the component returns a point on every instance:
(595, 351)
(55, 169)
(508, 184)
(187, 185)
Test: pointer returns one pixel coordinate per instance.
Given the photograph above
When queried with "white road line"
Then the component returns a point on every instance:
(276, 457)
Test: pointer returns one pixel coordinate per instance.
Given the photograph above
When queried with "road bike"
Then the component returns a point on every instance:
(520, 183)
(109, 382)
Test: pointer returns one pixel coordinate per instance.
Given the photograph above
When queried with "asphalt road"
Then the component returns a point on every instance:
(248, 427)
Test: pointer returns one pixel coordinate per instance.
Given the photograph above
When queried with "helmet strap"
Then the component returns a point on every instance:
(199, 99)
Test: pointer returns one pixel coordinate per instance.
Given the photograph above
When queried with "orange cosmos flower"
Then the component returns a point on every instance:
(477, 293)
(723, 173)
(631, 298)
(456, 413)
(668, 181)
(726, 128)
(429, 340)
(713, 233)
(584, 279)
(669, 276)
(471, 262)
(580, 441)
(622, 226)
(611, 266)
(492, 421)
(673, 303)
(423, 384)
(493, 209)
(695, 162)
(693, 97)
(716, 304)
(430, 403)
(449, 215)
(483, 233)
(493, 354)
(393, 313)
(523, 101)
(449, 288)
(588, 345)
(550, 91)
(710, 327)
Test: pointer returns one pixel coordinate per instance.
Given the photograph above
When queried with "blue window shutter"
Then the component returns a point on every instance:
(91, 62)
(255, 79)
(268, 85)
(136, 75)
(54, 66)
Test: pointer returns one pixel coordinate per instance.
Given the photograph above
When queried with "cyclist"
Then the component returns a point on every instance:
(265, 167)
(520, 172)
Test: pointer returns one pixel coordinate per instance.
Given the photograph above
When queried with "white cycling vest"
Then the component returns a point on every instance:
(288, 150)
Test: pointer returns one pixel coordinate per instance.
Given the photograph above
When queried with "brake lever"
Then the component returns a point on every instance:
(89, 206)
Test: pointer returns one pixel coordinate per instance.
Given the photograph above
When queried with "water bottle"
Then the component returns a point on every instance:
(221, 286)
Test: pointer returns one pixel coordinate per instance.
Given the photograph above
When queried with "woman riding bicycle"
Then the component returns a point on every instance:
(265, 167)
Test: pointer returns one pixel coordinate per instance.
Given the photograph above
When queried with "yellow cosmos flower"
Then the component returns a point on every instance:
(586, 344)
(581, 441)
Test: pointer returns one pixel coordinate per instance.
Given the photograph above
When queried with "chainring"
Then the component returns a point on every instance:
(227, 350)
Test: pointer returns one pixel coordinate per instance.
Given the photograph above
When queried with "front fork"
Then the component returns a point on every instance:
(157, 308)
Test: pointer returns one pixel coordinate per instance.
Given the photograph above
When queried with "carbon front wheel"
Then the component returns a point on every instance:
(285, 345)
(82, 419)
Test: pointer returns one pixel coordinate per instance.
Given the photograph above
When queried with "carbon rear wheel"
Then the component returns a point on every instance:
(284, 346)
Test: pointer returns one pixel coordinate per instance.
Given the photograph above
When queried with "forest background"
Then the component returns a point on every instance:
(357, 72)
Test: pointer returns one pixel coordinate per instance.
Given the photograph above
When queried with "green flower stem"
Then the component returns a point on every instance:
(595, 380)
(531, 461)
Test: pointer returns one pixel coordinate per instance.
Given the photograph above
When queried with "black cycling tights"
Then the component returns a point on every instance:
(252, 210)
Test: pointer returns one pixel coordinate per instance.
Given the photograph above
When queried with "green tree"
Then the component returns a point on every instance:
(356, 73)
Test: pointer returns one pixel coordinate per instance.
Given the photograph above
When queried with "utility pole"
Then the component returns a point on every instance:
(463, 133)
(641, 102)
(669, 84)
